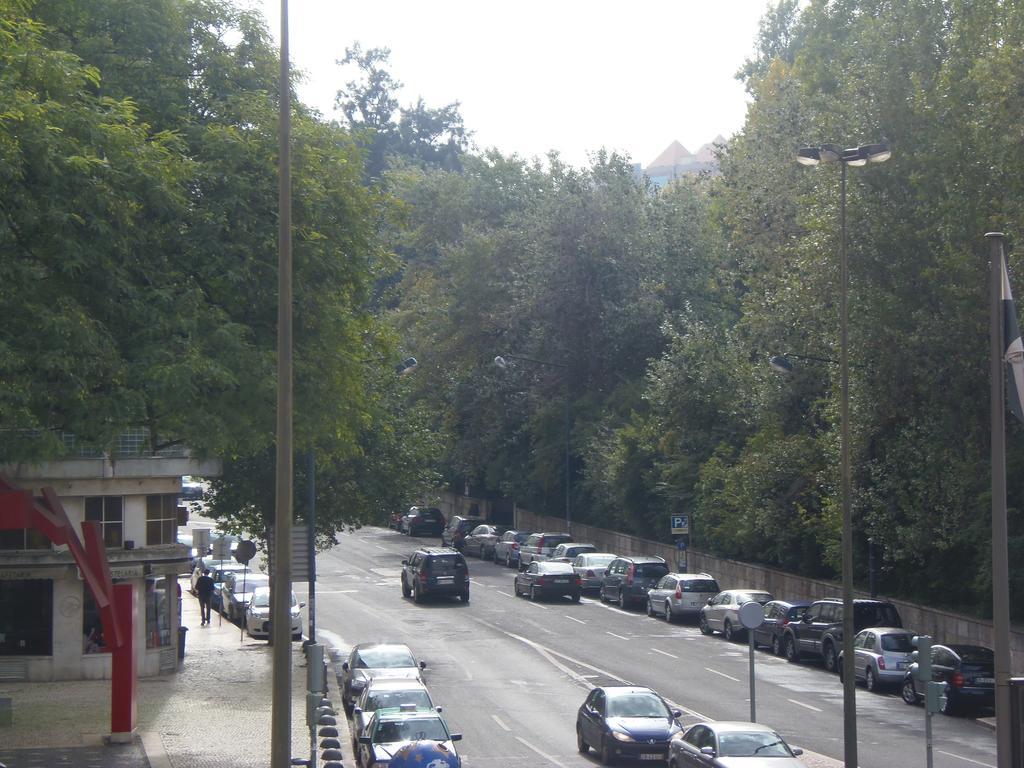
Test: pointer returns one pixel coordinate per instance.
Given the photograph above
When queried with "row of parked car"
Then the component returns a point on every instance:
(551, 565)
(385, 694)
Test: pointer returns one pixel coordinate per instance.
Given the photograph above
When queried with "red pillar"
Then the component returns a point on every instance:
(123, 666)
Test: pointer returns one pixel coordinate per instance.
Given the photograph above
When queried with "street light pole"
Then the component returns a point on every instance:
(501, 362)
(876, 153)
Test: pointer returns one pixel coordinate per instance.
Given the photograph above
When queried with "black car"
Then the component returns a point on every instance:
(421, 521)
(481, 540)
(626, 721)
(435, 571)
(454, 534)
(777, 615)
(546, 578)
(628, 579)
(819, 632)
(968, 671)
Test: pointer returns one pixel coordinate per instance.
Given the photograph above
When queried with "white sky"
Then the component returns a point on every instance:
(532, 76)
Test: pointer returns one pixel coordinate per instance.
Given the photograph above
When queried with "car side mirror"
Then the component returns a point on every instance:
(405, 562)
(607, 571)
(676, 713)
(711, 600)
(365, 740)
(797, 751)
(707, 751)
(439, 709)
(302, 605)
(423, 665)
(357, 710)
(806, 618)
(455, 736)
(344, 665)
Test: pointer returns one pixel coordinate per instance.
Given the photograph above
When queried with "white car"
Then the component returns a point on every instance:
(257, 615)
(236, 591)
(387, 693)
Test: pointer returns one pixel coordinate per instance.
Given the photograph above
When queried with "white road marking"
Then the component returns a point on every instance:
(506, 594)
(546, 756)
(378, 546)
(501, 724)
(961, 757)
(801, 704)
(722, 674)
(571, 618)
(618, 636)
(542, 607)
(665, 653)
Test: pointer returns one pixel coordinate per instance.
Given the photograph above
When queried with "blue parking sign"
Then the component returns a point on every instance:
(680, 524)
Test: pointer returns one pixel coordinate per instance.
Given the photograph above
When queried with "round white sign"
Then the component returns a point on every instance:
(752, 615)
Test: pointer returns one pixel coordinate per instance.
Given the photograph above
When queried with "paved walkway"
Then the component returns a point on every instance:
(214, 713)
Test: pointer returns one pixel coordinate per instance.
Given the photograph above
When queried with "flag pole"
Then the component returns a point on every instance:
(1000, 557)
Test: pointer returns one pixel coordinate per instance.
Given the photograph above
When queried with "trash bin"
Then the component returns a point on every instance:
(182, 631)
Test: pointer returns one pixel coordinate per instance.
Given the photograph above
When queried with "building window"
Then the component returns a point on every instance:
(161, 519)
(108, 511)
(24, 538)
(26, 617)
(158, 612)
(92, 626)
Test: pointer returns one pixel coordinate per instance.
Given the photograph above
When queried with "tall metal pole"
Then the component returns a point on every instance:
(568, 480)
(1000, 557)
(849, 691)
(311, 543)
(281, 714)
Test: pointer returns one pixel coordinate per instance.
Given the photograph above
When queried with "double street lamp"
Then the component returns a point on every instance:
(502, 362)
(854, 156)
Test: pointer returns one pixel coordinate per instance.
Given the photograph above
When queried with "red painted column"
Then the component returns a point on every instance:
(123, 666)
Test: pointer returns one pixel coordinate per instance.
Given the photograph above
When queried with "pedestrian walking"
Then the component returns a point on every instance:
(204, 590)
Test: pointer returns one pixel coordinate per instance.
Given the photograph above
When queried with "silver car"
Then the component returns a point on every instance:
(384, 693)
(681, 594)
(566, 553)
(236, 591)
(724, 744)
(722, 612)
(881, 656)
(590, 567)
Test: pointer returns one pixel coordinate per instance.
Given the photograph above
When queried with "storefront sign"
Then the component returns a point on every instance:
(122, 572)
(21, 574)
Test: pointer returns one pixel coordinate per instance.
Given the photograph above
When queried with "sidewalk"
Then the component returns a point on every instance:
(215, 712)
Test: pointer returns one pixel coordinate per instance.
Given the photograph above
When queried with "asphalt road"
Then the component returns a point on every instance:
(510, 674)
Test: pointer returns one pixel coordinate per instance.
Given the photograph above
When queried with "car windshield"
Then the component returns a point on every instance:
(384, 658)
(700, 585)
(751, 744)
(555, 567)
(384, 699)
(445, 563)
(900, 643)
(261, 599)
(876, 615)
(651, 570)
(976, 655)
(408, 729)
(597, 560)
(637, 705)
(757, 597)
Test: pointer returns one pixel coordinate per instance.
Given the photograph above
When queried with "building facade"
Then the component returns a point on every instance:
(49, 623)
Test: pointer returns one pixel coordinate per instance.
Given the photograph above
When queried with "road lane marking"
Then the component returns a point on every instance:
(572, 618)
(542, 607)
(961, 757)
(618, 636)
(506, 594)
(546, 756)
(801, 704)
(378, 546)
(665, 653)
(498, 721)
(722, 674)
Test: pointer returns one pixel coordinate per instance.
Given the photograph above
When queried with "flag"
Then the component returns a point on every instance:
(1013, 350)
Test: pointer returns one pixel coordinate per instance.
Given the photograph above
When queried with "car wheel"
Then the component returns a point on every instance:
(870, 680)
(406, 592)
(789, 645)
(907, 692)
(728, 632)
(465, 597)
(650, 608)
(581, 745)
(703, 624)
(828, 654)
(601, 594)
(776, 646)
(668, 612)
(416, 594)
(576, 597)
(607, 755)
(533, 594)
(949, 705)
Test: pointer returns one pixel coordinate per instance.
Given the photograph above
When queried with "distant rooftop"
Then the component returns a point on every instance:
(676, 160)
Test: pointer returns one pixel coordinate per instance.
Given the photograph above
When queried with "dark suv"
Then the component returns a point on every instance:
(627, 579)
(435, 571)
(458, 527)
(819, 632)
(423, 520)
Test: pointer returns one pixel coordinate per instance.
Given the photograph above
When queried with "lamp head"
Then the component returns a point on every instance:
(808, 156)
(878, 153)
(855, 156)
(780, 363)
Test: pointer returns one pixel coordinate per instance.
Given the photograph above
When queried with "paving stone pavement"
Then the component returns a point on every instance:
(213, 713)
